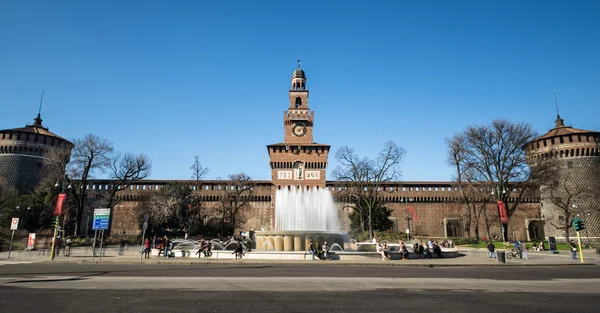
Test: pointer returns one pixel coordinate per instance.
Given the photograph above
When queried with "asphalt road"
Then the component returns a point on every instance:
(203, 270)
(274, 289)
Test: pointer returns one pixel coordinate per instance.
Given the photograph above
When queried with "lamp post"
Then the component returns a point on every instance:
(407, 213)
(500, 198)
(56, 225)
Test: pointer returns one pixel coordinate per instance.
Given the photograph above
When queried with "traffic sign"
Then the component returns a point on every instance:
(101, 219)
(14, 223)
(145, 225)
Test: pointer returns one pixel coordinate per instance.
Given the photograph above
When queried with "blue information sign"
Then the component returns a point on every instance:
(101, 219)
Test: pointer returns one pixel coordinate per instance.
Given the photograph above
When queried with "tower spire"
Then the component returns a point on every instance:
(38, 120)
(559, 121)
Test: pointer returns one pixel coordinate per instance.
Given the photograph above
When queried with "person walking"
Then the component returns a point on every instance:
(491, 250)
(524, 251)
(313, 249)
(68, 244)
(147, 248)
(573, 249)
(166, 247)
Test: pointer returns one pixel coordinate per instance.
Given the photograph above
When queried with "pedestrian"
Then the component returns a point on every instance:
(491, 250)
(326, 250)
(573, 250)
(524, 251)
(147, 248)
(517, 245)
(313, 249)
(57, 244)
(68, 244)
(416, 250)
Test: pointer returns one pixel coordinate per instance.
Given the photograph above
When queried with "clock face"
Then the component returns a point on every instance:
(299, 130)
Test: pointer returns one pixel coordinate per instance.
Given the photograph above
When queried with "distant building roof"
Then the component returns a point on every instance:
(560, 130)
(35, 128)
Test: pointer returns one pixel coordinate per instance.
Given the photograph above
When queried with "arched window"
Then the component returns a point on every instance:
(298, 102)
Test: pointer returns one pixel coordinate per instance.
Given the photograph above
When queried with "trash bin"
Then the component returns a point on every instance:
(598, 250)
(501, 256)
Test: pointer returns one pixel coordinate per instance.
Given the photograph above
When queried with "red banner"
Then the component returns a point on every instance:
(59, 204)
(503, 214)
(413, 213)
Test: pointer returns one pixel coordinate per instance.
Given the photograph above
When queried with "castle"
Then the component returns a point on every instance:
(436, 208)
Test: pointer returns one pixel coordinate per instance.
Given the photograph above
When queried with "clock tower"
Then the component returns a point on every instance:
(298, 162)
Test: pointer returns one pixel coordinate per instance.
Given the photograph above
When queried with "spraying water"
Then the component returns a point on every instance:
(298, 209)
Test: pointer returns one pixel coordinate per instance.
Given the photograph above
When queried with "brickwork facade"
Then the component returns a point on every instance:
(576, 155)
(22, 152)
(439, 211)
(300, 162)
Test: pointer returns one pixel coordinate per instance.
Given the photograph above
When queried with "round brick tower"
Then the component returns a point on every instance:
(22, 151)
(576, 156)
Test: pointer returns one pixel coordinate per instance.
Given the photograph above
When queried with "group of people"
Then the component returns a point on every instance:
(520, 249)
(163, 244)
(426, 250)
(66, 244)
(421, 250)
(205, 248)
(319, 251)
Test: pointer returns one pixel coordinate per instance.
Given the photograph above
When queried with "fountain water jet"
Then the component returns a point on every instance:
(299, 209)
(302, 216)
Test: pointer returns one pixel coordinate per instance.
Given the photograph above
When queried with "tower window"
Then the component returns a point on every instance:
(298, 102)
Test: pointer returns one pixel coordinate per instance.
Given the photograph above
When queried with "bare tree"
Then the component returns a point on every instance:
(198, 172)
(90, 156)
(475, 196)
(54, 167)
(494, 156)
(365, 178)
(235, 198)
(168, 208)
(125, 170)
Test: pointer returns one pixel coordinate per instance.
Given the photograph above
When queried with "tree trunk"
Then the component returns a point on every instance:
(468, 220)
(487, 224)
(370, 224)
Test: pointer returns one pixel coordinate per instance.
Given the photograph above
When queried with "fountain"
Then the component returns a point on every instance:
(302, 216)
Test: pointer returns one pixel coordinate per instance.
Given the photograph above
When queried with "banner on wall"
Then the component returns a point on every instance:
(59, 204)
(503, 214)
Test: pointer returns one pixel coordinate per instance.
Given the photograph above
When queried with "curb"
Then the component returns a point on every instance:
(317, 263)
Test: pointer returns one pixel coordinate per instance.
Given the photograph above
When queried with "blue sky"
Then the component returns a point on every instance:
(210, 78)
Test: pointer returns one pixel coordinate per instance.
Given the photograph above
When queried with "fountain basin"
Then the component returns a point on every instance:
(296, 240)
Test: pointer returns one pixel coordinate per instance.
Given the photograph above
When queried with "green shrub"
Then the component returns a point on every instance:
(389, 236)
(464, 241)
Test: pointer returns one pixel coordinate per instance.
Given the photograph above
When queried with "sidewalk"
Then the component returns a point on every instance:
(468, 257)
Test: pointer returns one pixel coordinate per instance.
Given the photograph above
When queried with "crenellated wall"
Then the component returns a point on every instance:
(437, 206)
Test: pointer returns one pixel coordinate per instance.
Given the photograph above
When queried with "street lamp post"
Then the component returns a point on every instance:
(407, 218)
(499, 215)
(56, 225)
